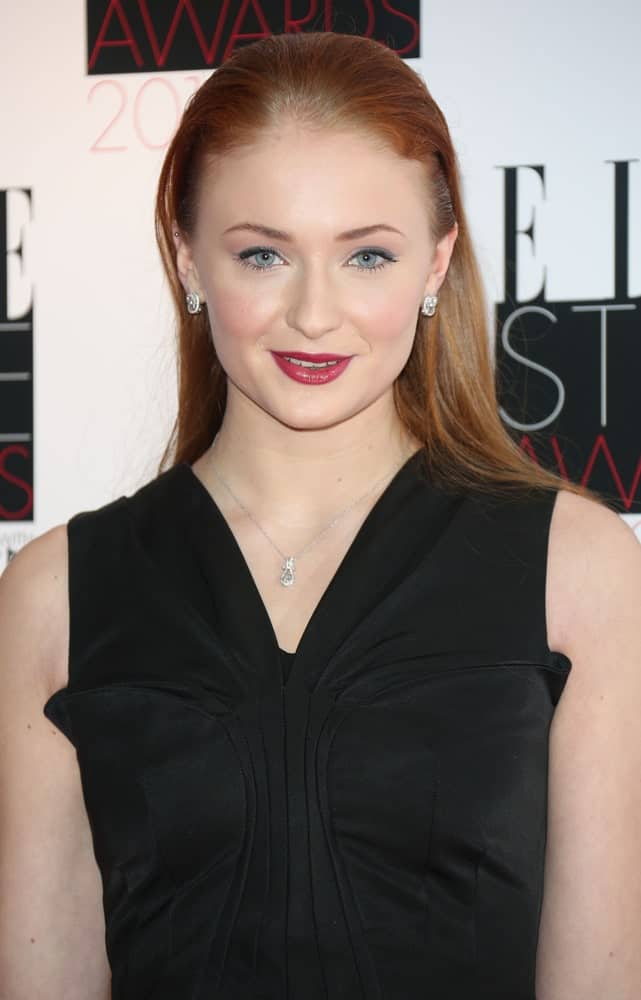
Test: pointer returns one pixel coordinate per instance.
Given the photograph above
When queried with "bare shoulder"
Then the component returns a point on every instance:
(40, 562)
(52, 935)
(34, 607)
(591, 915)
(594, 567)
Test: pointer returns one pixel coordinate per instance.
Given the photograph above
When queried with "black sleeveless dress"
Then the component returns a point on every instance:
(366, 821)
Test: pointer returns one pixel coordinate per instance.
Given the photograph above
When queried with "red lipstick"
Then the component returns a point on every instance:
(302, 366)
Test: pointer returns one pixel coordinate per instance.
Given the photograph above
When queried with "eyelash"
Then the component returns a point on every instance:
(243, 258)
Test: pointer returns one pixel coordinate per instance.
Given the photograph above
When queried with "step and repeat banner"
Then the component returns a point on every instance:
(542, 102)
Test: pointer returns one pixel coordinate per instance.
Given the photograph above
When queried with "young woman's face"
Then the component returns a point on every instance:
(309, 287)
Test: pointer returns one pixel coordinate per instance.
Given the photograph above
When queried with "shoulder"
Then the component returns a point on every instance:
(50, 880)
(591, 917)
(594, 572)
(34, 606)
(36, 569)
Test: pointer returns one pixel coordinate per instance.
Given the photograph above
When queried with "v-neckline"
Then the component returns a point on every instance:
(247, 587)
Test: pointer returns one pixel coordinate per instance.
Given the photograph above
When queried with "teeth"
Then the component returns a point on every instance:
(311, 364)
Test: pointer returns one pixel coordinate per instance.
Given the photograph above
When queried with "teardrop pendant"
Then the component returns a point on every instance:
(287, 576)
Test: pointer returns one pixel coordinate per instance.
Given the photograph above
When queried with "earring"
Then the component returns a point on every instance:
(430, 303)
(194, 304)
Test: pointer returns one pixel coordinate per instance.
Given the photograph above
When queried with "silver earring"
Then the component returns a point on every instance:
(430, 303)
(194, 304)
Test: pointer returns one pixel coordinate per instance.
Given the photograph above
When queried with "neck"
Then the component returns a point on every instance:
(297, 476)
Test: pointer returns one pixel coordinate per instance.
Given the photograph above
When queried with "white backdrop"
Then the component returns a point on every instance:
(554, 83)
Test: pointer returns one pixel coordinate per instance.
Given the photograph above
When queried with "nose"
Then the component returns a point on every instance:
(313, 308)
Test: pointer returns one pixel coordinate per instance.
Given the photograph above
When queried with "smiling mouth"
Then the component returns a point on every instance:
(315, 361)
(312, 369)
(310, 364)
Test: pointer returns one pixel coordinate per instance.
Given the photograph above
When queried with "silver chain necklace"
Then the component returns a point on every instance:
(288, 569)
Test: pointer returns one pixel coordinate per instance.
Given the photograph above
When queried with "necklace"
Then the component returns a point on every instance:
(288, 568)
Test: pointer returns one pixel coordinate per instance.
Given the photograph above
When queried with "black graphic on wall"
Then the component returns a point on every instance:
(142, 36)
(16, 369)
(568, 372)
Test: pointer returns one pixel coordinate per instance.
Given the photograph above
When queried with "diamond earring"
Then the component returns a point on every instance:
(430, 303)
(194, 304)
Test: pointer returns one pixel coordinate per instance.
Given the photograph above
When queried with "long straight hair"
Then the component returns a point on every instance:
(446, 394)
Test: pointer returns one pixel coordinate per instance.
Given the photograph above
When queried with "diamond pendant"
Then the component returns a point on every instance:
(287, 576)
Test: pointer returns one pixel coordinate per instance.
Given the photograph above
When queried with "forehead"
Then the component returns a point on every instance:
(324, 178)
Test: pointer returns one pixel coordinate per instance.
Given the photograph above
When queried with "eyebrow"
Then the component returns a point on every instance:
(278, 234)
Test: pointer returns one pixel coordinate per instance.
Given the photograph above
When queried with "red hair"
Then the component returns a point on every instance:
(445, 396)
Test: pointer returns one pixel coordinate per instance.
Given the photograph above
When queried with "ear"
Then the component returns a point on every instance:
(185, 265)
(441, 261)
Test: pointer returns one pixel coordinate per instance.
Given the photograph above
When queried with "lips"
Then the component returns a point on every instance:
(316, 358)
(301, 368)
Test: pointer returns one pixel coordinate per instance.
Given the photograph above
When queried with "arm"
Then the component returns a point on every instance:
(51, 919)
(590, 932)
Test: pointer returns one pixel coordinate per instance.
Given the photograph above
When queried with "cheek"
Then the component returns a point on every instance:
(391, 324)
(237, 319)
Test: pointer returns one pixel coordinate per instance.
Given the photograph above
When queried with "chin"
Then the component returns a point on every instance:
(314, 421)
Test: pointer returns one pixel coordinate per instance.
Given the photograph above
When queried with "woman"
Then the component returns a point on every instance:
(315, 668)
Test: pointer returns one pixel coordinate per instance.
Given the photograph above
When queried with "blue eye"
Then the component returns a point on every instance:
(244, 258)
(256, 252)
(375, 253)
